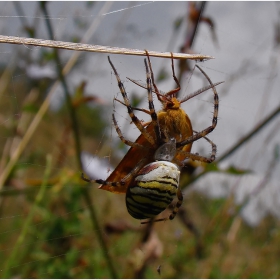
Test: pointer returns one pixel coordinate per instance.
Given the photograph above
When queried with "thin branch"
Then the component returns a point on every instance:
(194, 20)
(193, 26)
(247, 137)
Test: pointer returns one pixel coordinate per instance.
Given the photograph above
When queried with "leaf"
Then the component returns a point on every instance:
(213, 167)
(237, 171)
(177, 23)
(30, 108)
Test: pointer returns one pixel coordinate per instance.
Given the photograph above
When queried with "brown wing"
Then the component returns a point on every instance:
(130, 160)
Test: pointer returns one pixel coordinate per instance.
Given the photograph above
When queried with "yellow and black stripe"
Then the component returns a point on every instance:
(153, 190)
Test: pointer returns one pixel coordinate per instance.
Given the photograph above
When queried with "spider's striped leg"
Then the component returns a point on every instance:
(171, 92)
(209, 129)
(198, 157)
(156, 90)
(134, 119)
(151, 112)
(130, 175)
(125, 141)
(151, 103)
(174, 212)
(178, 204)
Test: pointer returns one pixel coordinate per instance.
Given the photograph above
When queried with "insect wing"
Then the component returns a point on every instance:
(130, 160)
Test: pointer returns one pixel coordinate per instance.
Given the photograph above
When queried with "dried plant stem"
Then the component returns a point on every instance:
(96, 48)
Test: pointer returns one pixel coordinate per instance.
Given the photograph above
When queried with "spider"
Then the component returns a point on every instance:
(141, 173)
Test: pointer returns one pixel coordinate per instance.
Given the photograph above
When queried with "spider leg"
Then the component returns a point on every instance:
(125, 141)
(209, 129)
(214, 148)
(174, 211)
(198, 157)
(151, 111)
(178, 204)
(150, 79)
(134, 119)
(128, 177)
(156, 90)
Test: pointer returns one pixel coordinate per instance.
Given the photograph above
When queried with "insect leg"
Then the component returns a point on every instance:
(172, 92)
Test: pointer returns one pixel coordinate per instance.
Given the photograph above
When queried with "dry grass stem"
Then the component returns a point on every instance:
(96, 48)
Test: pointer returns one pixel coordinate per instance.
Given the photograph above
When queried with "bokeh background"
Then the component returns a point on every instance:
(53, 127)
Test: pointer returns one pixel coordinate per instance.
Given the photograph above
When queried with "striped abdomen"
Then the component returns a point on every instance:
(153, 189)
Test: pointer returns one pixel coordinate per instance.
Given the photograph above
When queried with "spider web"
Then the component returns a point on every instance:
(48, 229)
